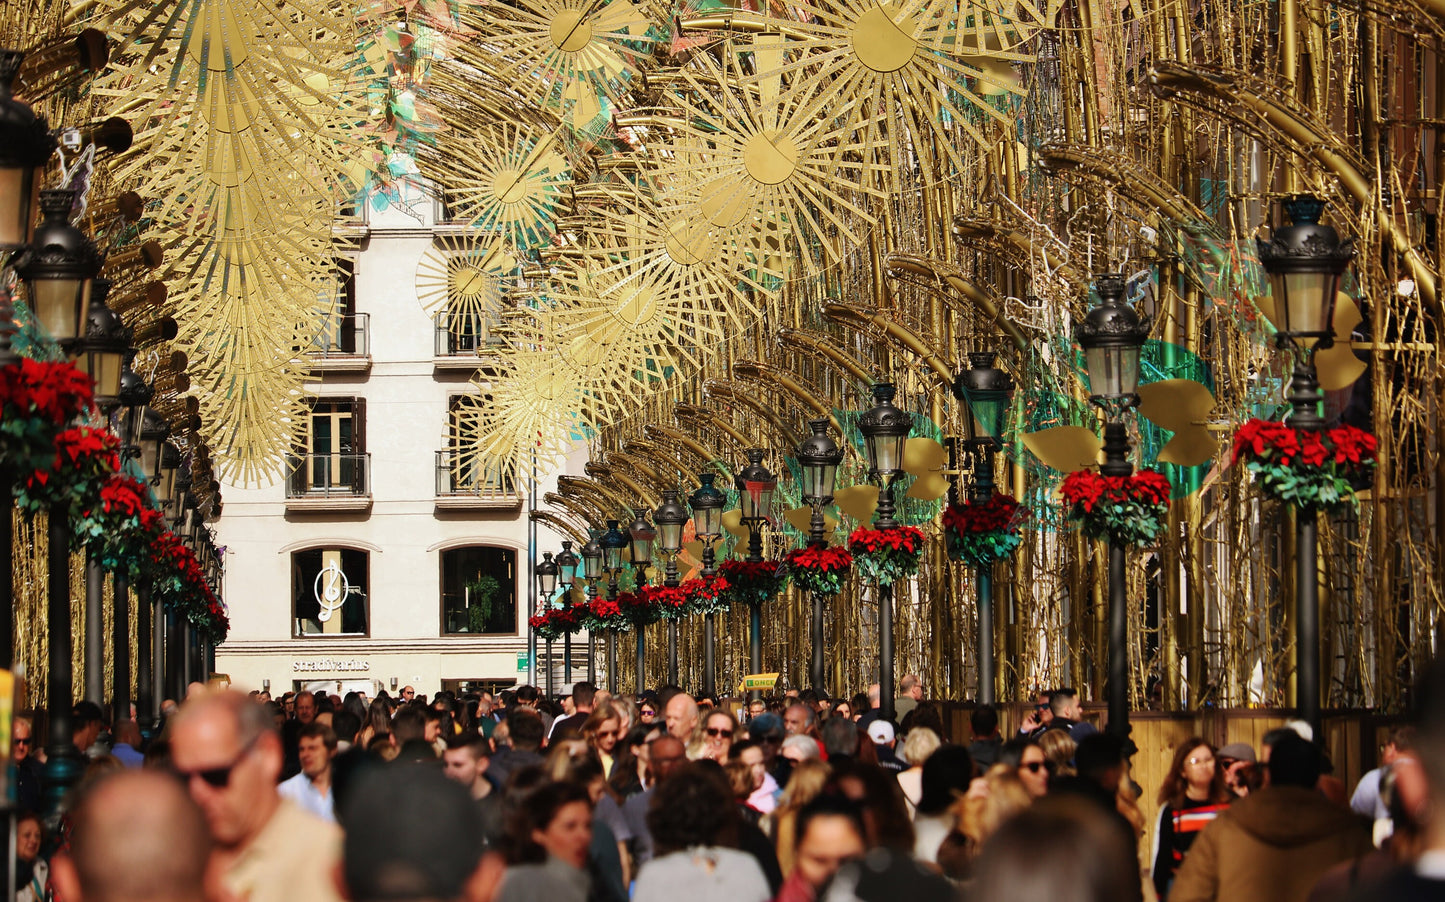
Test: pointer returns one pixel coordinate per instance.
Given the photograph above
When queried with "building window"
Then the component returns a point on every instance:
(333, 460)
(479, 591)
(329, 592)
(463, 473)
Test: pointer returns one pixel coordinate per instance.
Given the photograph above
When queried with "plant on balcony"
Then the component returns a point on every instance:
(1125, 510)
(667, 602)
(1310, 469)
(982, 532)
(706, 594)
(602, 614)
(819, 569)
(752, 582)
(481, 602)
(884, 556)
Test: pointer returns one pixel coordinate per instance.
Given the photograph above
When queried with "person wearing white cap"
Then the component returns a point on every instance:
(884, 738)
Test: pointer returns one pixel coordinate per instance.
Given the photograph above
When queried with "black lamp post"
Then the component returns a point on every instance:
(546, 572)
(885, 430)
(986, 392)
(592, 572)
(1305, 261)
(1112, 335)
(25, 146)
(755, 484)
(134, 395)
(670, 518)
(640, 533)
(567, 564)
(707, 505)
(612, 542)
(104, 349)
(58, 267)
(818, 456)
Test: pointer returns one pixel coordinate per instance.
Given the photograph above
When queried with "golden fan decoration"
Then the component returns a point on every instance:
(927, 62)
(603, 371)
(502, 178)
(561, 53)
(530, 416)
(462, 277)
(754, 160)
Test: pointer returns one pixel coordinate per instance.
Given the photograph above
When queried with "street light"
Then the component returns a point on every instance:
(885, 430)
(755, 484)
(25, 146)
(546, 571)
(818, 456)
(986, 392)
(1304, 261)
(612, 542)
(707, 505)
(1112, 336)
(104, 348)
(592, 571)
(58, 267)
(567, 565)
(670, 518)
(641, 534)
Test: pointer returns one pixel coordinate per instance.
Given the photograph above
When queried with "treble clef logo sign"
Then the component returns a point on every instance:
(331, 590)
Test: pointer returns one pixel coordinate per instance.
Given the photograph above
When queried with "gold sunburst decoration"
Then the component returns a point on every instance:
(501, 178)
(684, 253)
(464, 276)
(530, 416)
(563, 54)
(243, 116)
(920, 72)
(754, 159)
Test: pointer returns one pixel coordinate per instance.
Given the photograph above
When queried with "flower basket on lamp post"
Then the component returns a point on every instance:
(885, 556)
(1128, 511)
(819, 569)
(983, 532)
(1307, 468)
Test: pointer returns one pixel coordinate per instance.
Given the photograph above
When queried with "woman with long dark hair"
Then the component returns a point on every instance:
(1191, 796)
(551, 831)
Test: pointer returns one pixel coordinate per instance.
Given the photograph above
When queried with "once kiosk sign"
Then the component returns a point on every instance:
(331, 665)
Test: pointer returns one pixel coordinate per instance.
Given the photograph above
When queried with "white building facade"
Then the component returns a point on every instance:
(381, 559)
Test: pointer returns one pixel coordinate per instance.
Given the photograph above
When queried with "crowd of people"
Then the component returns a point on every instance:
(662, 795)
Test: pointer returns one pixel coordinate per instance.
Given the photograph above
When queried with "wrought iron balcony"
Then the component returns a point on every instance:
(464, 484)
(343, 344)
(324, 481)
(463, 338)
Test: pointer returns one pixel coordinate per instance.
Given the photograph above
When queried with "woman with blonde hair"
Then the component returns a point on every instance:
(917, 746)
(719, 729)
(991, 799)
(806, 784)
(1058, 753)
(601, 731)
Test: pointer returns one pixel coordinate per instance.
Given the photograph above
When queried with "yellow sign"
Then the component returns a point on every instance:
(758, 681)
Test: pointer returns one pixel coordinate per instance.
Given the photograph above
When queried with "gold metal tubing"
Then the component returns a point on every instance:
(559, 525)
(744, 21)
(651, 120)
(661, 458)
(968, 230)
(706, 417)
(583, 509)
(818, 344)
(767, 374)
(720, 390)
(701, 451)
(899, 264)
(640, 492)
(1135, 182)
(603, 496)
(1321, 146)
(631, 462)
(843, 313)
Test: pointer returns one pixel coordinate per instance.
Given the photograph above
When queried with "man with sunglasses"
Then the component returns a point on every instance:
(27, 769)
(267, 849)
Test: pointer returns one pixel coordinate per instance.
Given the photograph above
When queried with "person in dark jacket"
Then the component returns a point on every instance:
(1274, 845)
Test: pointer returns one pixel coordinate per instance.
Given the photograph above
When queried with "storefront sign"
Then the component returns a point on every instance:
(331, 665)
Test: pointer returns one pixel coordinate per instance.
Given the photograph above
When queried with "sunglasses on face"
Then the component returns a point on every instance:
(1034, 767)
(219, 777)
(22, 740)
(715, 732)
(646, 713)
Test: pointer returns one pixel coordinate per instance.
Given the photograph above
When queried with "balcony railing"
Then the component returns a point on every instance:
(461, 335)
(462, 483)
(343, 342)
(329, 478)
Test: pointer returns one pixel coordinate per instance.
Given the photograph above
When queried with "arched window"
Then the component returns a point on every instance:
(479, 591)
(329, 592)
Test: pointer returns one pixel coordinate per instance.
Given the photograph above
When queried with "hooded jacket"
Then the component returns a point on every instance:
(1271, 846)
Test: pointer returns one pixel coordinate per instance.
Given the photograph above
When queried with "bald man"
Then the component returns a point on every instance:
(681, 714)
(137, 837)
(226, 750)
